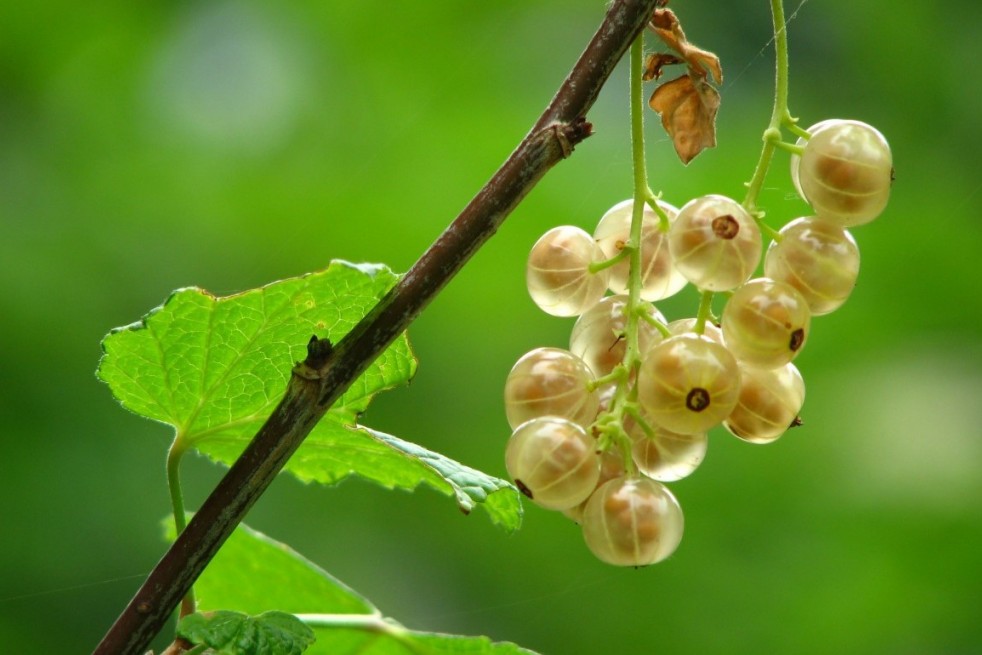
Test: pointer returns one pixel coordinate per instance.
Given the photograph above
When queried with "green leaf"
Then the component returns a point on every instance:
(214, 368)
(253, 573)
(395, 463)
(234, 633)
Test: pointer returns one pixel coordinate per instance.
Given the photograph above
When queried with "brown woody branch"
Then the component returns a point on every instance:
(328, 371)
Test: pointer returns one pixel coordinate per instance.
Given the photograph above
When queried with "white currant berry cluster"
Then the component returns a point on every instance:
(600, 427)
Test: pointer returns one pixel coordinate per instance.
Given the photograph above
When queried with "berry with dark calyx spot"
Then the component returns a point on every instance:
(553, 462)
(715, 243)
(770, 400)
(766, 323)
(688, 384)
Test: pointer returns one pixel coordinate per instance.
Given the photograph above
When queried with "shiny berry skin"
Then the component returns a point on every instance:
(598, 334)
(715, 243)
(659, 277)
(558, 272)
(553, 462)
(666, 456)
(766, 323)
(845, 172)
(770, 400)
(818, 258)
(550, 382)
(632, 521)
(688, 384)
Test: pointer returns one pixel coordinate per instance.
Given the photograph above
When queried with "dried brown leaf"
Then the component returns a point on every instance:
(688, 107)
(665, 24)
(655, 62)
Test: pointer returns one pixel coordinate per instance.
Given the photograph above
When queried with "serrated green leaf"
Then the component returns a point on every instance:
(214, 368)
(234, 633)
(395, 463)
(253, 573)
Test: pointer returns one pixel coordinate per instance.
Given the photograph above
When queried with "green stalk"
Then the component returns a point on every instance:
(641, 192)
(611, 424)
(174, 456)
(780, 115)
(705, 311)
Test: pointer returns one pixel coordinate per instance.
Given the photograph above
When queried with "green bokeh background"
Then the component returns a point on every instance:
(148, 146)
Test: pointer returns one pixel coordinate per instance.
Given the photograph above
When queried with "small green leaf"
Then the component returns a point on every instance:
(253, 573)
(214, 369)
(395, 463)
(234, 633)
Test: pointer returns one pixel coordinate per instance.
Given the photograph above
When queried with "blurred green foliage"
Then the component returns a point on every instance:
(148, 146)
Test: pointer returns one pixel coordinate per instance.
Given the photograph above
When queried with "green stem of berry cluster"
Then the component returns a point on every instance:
(780, 117)
(611, 425)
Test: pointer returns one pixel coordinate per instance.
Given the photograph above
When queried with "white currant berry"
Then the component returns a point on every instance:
(664, 455)
(796, 158)
(558, 272)
(766, 323)
(611, 466)
(553, 461)
(818, 258)
(688, 384)
(598, 334)
(770, 400)
(845, 172)
(550, 382)
(659, 277)
(715, 243)
(632, 521)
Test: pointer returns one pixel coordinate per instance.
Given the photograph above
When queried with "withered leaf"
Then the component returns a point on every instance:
(688, 107)
(665, 24)
(655, 62)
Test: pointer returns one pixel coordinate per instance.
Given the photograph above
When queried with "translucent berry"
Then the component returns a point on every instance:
(598, 335)
(667, 456)
(819, 259)
(796, 159)
(632, 521)
(715, 243)
(558, 273)
(553, 461)
(611, 466)
(659, 277)
(845, 172)
(688, 326)
(770, 400)
(688, 384)
(766, 323)
(550, 382)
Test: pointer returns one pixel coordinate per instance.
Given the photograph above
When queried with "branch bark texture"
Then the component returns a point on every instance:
(328, 371)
